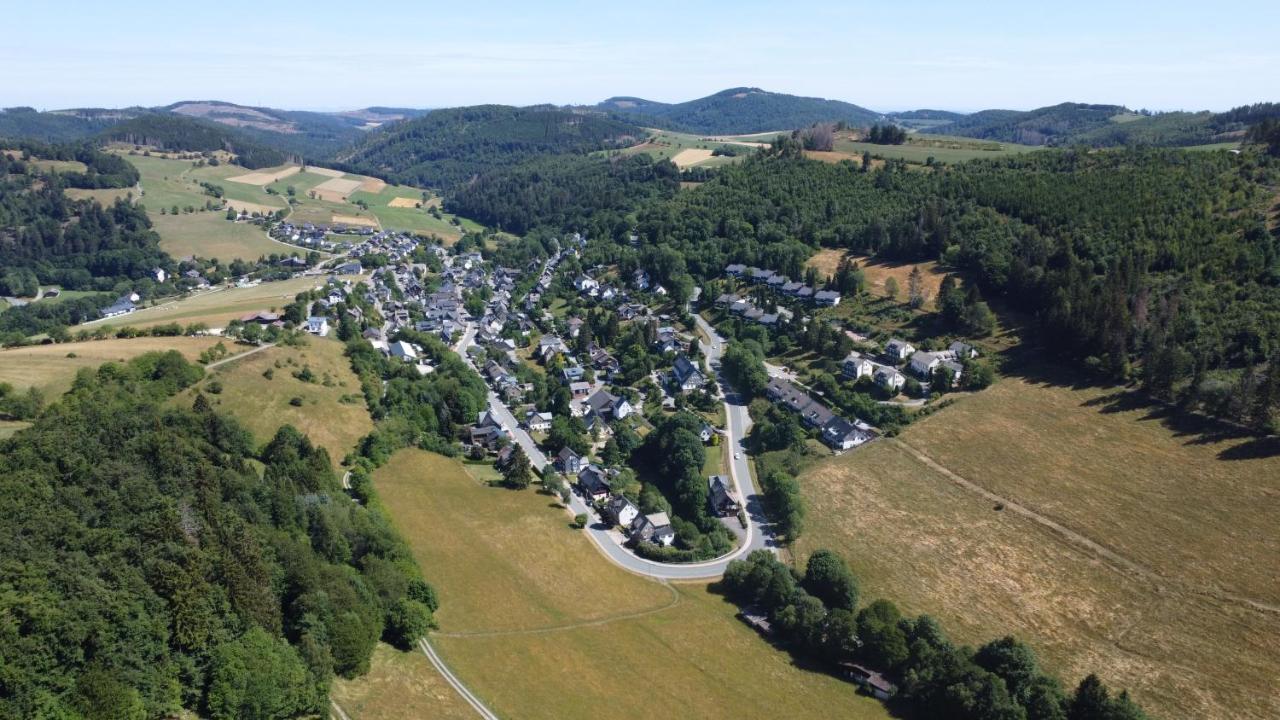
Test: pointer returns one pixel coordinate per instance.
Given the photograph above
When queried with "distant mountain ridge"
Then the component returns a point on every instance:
(739, 110)
(445, 148)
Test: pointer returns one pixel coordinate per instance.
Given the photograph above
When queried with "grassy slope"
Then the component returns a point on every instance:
(666, 145)
(211, 235)
(216, 308)
(1197, 524)
(410, 218)
(263, 405)
(505, 562)
(48, 369)
(166, 183)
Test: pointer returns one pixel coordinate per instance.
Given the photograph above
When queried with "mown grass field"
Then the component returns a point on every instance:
(204, 233)
(1179, 600)
(668, 145)
(50, 369)
(399, 686)
(540, 625)
(211, 235)
(411, 218)
(215, 308)
(263, 404)
(942, 148)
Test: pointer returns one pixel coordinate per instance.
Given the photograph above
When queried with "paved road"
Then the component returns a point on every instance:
(758, 534)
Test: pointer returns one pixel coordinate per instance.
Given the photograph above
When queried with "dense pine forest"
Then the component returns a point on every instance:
(592, 194)
(156, 560)
(46, 237)
(449, 147)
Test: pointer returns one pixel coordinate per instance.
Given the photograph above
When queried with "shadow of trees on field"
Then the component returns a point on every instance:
(1032, 365)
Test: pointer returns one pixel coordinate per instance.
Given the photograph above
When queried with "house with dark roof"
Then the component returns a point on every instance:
(685, 375)
(568, 462)
(594, 483)
(722, 498)
(655, 528)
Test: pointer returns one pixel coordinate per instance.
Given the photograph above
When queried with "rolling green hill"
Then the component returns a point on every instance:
(1106, 125)
(739, 110)
(449, 147)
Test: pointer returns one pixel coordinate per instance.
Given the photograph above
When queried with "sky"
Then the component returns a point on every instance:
(886, 56)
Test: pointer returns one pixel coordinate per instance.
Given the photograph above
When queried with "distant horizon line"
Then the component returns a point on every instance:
(408, 106)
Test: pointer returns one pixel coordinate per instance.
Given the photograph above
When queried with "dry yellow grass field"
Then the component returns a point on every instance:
(403, 202)
(690, 157)
(252, 207)
(327, 172)
(49, 369)
(336, 189)
(877, 271)
(540, 625)
(1145, 552)
(104, 196)
(263, 404)
(266, 177)
(355, 220)
(399, 686)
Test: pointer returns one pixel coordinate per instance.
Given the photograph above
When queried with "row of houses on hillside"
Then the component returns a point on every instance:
(837, 432)
(783, 285)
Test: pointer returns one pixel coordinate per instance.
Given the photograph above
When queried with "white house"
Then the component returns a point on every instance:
(889, 378)
(686, 376)
(158, 274)
(623, 511)
(924, 363)
(856, 367)
(318, 325)
(403, 351)
(537, 421)
(899, 349)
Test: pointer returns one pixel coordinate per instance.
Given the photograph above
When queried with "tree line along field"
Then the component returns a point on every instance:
(1114, 539)
(539, 625)
(917, 149)
(51, 368)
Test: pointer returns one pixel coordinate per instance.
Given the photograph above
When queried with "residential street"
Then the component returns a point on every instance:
(610, 542)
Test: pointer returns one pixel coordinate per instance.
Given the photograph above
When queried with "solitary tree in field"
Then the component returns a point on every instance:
(915, 287)
(891, 288)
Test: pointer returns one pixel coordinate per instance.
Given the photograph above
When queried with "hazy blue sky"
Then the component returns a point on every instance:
(884, 55)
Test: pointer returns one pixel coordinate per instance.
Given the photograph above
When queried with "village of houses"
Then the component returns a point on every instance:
(429, 303)
(509, 324)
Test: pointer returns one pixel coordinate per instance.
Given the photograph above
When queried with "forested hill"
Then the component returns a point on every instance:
(156, 561)
(739, 110)
(25, 123)
(448, 147)
(1107, 125)
(175, 132)
(48, 238)
(1153, 265)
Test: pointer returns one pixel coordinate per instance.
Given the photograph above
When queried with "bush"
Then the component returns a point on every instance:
(580, 520)
(407, 621)
(295, 401)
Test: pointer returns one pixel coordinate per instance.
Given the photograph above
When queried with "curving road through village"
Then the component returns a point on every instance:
(756, 536)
